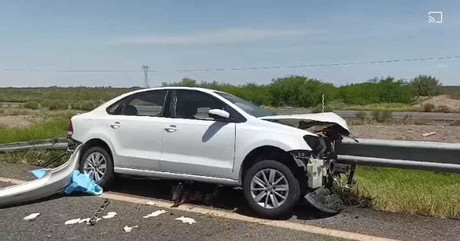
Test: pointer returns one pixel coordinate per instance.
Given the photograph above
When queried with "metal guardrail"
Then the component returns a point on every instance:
(434, 156)
(48, 144)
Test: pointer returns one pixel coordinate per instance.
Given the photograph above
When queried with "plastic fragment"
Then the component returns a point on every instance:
(129, 229)
(72, 221)
(186, 220)
(151, 203)
(110, 215)
(154, 214)
(84, 220)
(31, 216)
(428, 134)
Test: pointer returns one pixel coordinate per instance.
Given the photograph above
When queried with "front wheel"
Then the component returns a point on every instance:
(270, 188)
(97, 163)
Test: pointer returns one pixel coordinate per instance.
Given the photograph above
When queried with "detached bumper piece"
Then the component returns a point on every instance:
(54, 181)
(324, 200)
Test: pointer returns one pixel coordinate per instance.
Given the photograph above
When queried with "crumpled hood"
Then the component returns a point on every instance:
(319, 118)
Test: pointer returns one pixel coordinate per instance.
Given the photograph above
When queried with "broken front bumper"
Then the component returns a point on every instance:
(54, 181)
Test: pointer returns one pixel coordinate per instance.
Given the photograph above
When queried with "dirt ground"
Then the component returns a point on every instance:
(18, 121)
(441, 100)
(444, 133)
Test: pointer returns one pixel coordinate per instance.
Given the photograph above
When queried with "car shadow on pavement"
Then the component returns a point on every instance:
(227, 198)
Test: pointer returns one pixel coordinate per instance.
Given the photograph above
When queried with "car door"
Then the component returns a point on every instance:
(135, 128)
(193, 142)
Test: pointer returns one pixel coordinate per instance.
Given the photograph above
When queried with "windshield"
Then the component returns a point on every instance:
(245, 105)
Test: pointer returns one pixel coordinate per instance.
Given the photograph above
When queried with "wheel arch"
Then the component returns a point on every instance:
(96, 142)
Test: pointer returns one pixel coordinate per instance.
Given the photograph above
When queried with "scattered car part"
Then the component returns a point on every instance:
(97, 215)
(109, 215)
(429, 134)
(31, 216)
(186, 220)
(84, 220)
(54, 181)
(323, 199)
(154, 214)
(72, 221)
(151, 203)
(129, 229)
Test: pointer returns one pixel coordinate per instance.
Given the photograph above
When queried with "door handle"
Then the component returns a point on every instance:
(171, 128)
(115, 125)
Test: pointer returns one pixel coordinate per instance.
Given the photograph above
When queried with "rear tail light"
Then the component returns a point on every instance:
(70, 129)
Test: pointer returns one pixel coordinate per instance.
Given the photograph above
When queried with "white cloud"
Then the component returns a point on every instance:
(217, 37)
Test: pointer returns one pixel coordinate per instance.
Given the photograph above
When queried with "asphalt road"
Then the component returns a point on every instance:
(239, 225)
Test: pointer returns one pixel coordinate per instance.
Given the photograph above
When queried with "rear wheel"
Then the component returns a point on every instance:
(97, 163)
(270, 188)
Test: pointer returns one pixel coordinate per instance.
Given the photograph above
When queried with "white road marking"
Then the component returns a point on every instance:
(234, 216)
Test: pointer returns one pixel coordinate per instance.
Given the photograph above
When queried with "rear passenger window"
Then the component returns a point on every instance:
(149, 103)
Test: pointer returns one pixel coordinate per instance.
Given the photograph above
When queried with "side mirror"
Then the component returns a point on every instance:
(218, 114)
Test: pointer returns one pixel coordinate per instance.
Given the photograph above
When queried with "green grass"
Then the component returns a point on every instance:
(53, 128)
(410, 191)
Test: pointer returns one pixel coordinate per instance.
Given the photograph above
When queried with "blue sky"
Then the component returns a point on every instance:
(69, 43)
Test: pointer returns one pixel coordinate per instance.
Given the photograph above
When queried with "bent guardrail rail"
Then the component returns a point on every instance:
(54, 181)
(48, 144)
(434, 156)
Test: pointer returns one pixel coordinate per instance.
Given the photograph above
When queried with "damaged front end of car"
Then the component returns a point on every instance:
(324, 172)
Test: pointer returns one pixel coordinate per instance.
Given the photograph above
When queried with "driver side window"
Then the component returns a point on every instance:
(191, 104)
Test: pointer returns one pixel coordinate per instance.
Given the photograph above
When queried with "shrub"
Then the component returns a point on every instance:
(384, 90)
(56, 105)
(33, 104)
(361, 115)
(319, 109)
(428, 107)
(381, 116)
(455, 123)
(442, 108)
(426, 85)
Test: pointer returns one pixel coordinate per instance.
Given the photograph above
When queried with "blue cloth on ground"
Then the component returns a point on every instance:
(80, 182)
(83, 183)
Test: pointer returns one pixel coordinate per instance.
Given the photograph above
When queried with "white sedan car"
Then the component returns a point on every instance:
(204, 135)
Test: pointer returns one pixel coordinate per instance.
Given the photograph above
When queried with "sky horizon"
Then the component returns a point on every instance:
(87, 43)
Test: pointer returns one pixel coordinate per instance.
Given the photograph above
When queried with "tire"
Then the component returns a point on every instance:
(267, 206)
(95, 152)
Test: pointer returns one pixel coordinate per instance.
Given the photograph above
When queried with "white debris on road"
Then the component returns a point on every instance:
(72, 221)
(154, 214)
(129, 229)
(151, 203)
(31, 216)
(110, 215)
(186, 220)
(428, 134)
(84, 220)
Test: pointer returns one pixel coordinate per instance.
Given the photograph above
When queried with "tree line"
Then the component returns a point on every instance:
(301, 91)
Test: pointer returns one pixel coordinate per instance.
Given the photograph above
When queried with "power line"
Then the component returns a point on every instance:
(236, 68)
(321, 65)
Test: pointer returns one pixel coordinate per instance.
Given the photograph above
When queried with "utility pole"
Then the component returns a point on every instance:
(146, 76)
